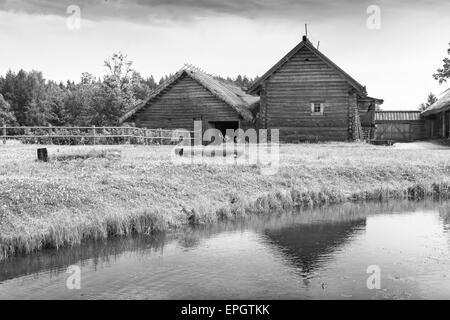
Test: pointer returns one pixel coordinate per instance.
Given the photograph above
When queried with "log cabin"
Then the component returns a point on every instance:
(437, 117)
(193, 95)
(308, 97)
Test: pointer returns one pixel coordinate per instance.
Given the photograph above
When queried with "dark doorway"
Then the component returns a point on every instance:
(224, 125)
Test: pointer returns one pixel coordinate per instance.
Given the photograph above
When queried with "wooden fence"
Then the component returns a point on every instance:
(91, 135)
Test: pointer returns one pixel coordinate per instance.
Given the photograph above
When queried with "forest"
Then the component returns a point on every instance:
(28, 99)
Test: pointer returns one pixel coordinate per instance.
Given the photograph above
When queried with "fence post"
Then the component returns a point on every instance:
(50, 133)
(27, 136)
(93, 135)
(4, 132)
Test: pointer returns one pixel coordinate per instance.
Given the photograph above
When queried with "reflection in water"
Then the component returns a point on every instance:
(444, 214)
(307, 244)
(96, 252)
(322, 253)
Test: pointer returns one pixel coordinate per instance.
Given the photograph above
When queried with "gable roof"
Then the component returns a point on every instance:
(307, 44)
(232, 95)
(442, 104)
(372, 99)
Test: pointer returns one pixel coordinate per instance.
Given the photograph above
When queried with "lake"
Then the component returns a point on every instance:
(394, 250)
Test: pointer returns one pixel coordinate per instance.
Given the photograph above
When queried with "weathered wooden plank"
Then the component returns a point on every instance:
(303, 80)
(183, 103)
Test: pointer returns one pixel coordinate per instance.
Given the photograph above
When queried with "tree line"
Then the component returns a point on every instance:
(28, 99)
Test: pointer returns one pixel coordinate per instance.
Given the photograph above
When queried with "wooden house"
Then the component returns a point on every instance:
(192, 95)
(308, 97)
(437, 117)
(399, 126)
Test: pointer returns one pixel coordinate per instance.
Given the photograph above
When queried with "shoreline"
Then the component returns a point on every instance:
(63, 202)
(101, 249)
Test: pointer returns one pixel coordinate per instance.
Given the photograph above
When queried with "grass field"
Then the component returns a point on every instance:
(100, 191)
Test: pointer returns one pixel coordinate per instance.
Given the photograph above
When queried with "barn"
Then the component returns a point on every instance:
(438, 117)
(193, 95)
(308, 97)
(399, 126)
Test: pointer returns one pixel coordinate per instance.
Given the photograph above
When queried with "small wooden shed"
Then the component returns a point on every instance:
(438, 117)
(399, 126)
(193, 95)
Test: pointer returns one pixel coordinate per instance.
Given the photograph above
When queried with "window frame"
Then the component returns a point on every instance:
(313, 108)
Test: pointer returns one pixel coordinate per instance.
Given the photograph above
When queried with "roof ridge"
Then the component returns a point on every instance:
(444, 92)
(442, 104)
(226, 94)
(218, 88)
(154, 93)
(306, 43)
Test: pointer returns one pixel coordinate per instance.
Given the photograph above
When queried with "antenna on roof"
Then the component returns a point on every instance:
(306, 30)
(318, 45)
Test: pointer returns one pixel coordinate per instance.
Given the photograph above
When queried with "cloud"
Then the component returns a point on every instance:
(160, 10)
(139, 9)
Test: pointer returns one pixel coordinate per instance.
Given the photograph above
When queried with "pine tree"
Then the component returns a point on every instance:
(431, 99)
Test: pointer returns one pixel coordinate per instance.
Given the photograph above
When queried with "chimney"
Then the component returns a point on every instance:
(305, 38)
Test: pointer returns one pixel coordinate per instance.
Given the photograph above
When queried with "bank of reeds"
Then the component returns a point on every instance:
(90, 195)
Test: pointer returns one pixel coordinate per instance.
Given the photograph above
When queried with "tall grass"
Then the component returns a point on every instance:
(90, 195)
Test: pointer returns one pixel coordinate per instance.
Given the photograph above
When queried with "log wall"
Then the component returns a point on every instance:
(288, 94)
(181, 104)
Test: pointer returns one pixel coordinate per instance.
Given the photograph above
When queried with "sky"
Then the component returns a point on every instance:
(393, 53)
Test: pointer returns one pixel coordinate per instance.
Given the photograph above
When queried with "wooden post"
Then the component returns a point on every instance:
(264, 106)
(42, 154)
(93, 135)
(4, 132)
(431, 122)
(443, 124)
(27, 135)
(447, 121)
(50, 133)
(447, 124)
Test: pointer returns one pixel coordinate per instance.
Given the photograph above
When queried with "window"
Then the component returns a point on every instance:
(317, 108)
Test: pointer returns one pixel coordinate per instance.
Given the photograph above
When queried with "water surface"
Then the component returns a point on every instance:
(317, 254)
